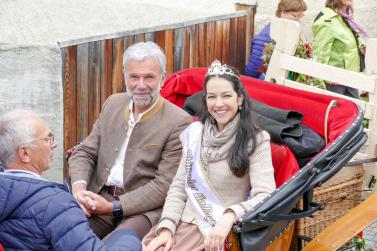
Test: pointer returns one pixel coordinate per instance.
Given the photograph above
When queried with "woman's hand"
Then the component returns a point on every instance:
(362, 50)
(216, 238)
(165, 239)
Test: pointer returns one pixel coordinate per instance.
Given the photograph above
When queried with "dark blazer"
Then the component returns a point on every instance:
(152, 156)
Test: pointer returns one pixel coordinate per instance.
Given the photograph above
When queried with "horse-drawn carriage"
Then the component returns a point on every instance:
(338, 120)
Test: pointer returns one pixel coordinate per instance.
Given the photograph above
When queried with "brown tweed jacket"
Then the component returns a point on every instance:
(151, 159)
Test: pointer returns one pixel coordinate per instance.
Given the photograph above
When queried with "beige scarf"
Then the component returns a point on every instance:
(215, 144)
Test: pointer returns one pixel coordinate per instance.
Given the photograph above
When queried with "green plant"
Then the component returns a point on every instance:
(303, 50)
(360, 244)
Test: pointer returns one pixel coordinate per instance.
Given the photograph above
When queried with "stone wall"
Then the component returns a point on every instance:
(30, 78)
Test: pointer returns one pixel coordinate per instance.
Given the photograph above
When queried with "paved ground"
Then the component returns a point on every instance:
(370, 235)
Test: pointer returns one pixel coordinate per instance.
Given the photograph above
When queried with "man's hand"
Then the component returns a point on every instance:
(164, 239)
(101, 205)
(86, 204)
(216, 238)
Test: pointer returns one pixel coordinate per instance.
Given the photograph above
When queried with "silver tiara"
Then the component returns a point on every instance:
(217, 69)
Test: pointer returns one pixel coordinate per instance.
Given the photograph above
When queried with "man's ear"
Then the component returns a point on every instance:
(163, 78)
(23, 154)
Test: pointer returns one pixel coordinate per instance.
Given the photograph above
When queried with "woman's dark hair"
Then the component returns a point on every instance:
(238, 156)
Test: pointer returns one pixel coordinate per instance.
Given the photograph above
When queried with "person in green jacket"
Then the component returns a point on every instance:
(338, 40)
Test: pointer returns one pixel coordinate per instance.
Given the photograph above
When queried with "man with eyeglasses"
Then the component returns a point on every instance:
(36, 214)
(126, 164)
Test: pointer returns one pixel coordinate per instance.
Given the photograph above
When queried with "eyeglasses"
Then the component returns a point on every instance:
(296, 14)
(49, 139)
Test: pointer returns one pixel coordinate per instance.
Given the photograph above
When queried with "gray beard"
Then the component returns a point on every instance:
(152, 97)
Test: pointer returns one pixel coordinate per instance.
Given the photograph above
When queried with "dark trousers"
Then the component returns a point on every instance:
(103, 225)
(345, 90)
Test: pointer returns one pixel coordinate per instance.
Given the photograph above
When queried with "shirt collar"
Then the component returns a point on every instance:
(23, 171)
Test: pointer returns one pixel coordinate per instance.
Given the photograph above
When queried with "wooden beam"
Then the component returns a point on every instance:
(342, 230)
(327, 72)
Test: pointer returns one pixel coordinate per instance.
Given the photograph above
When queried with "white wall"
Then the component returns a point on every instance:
(365, 13)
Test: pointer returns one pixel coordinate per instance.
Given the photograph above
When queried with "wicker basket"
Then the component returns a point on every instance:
(338, 197)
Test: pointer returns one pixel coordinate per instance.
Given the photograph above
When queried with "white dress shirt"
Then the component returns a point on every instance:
(116, 174)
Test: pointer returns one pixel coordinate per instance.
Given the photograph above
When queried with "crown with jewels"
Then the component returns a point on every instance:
(217, 69)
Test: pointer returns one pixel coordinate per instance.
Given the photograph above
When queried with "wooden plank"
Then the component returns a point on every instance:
(233, 41)
(117, 80)
(149, 36)
(283, 242)
(82, 91)
(69, 94)
(128, 41)
(106, 66)
(194, 46)
(241, 44)
(202, 45)
(280, 27)
(139, 38)
(179, 44)
(300, 86)
(225, 42)
(210, 56)
(218, 40)
(169, 51)
(94, 90)
(329, 73)
(159, 38)
(249, 31)
(370, 56)
(186, 49)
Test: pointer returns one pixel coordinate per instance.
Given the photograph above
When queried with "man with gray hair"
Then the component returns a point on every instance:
(36, 214)
(133, 151)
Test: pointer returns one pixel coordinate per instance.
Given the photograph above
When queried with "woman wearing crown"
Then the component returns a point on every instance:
(225, 170)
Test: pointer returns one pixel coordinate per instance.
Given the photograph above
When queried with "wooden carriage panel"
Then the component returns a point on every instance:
(118, 49)
(233, 41)
(106, 66)
(69, 70)
(94, 88)
(82, 98)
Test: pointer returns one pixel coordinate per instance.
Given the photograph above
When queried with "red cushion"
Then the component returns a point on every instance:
(284, 162)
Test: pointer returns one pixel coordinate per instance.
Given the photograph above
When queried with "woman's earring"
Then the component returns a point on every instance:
(240, 107)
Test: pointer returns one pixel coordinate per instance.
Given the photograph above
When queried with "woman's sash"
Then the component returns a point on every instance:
(207, 206)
